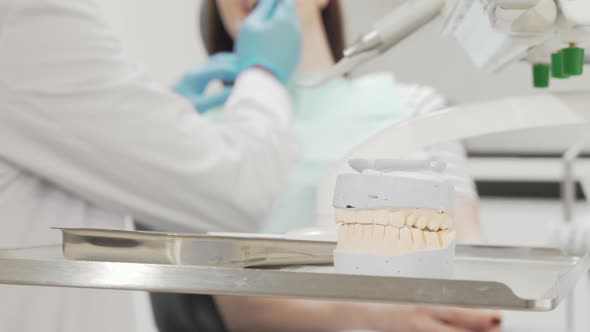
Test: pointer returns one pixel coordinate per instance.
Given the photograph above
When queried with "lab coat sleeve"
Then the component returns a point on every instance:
(79, 114)
(424, 99)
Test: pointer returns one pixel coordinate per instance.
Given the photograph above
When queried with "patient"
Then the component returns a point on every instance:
(330, 121)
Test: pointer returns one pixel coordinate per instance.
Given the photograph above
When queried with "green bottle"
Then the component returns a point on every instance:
(573, 63)
(541, 75)
(557, 70)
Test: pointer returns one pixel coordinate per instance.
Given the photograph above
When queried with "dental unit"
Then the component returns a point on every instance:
(549, 34)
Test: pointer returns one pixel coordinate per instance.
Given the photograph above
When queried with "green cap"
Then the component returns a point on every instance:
(557, 70)
(573, 63)
(540, 75)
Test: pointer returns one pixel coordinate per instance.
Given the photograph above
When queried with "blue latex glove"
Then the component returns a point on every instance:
(270, 37)
(221, 66)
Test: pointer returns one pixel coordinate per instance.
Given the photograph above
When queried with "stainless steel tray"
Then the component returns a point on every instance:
(250, 250)
(513, 278)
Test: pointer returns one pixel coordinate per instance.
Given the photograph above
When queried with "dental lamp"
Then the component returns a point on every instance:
(494, 33)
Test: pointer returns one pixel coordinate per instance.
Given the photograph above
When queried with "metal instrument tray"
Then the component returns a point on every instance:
(512, 278)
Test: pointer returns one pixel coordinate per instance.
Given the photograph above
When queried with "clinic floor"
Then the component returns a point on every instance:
(521, 222)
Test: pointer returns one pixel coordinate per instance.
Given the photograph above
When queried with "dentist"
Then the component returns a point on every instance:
(89, 140)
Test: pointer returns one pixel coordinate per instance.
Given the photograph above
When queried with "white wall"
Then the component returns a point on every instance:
(159, 34)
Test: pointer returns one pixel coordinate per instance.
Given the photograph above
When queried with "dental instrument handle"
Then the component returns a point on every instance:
(386, 33)
(396, 26)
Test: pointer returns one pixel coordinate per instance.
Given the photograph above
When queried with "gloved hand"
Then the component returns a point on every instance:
(270, 37)
(221, 66)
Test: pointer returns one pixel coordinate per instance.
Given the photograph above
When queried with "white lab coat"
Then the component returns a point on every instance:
(87, 138)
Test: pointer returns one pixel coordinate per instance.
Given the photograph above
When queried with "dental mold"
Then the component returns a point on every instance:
(394, 221)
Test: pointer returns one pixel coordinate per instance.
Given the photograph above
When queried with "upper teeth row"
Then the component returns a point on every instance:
(417, 218)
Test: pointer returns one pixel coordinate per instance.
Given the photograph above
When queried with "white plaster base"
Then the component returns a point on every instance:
(435, 264)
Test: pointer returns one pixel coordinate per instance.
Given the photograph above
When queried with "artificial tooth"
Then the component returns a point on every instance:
(422, 221)
(342, 232)
(378, 241)
(356, 235)
(381, 217)
(405, 239)
(412, 218)
(434, 223)
(364, 217)
(344, 237)
(446, 237)
(349, 215)
(432, 240)
(418, 240)
(367, 237)
(397, 218)
(340, 215)
(350, 231)
(352, 216)
(391, 239)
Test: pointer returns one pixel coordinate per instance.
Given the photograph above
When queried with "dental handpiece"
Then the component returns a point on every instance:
(386, 33)
(396, 26)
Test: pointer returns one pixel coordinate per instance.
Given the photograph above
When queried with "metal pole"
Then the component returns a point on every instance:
(568, 197)
(568, 184)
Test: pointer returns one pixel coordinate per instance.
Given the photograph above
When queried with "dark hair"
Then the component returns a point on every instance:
(216, 38)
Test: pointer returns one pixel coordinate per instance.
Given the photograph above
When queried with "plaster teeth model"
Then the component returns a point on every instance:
(395, 219)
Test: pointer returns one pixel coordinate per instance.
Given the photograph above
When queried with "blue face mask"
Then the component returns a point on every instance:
(330, 121)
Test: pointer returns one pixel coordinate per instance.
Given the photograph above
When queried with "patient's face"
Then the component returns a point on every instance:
(234, 12)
